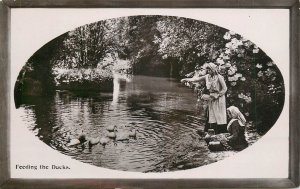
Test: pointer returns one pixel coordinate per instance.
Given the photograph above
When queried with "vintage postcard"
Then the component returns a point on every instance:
(150, 93)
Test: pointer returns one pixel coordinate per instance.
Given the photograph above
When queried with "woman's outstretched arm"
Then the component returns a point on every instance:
(194, 79)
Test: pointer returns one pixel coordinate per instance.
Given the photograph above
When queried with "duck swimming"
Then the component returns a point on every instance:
(82, 137)
(132, 133)
(112, 134)
(80, 140)
(122, 137)
(73, 142)
(111, 128)
(94, 141)
(103, 141)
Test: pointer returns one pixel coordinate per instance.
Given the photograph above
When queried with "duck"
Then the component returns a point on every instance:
(111, 128)
(82, 137)
(94, 141)
(73, 142)
(122, 136)
(112, 135)
(103, 141)
(132, 133)
(80, 140)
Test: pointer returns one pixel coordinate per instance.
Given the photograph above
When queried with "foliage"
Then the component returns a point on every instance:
(91, 53)
(187, 42)
(141, 48)
(254, 83)
(164, 46)
(86, 46)
(80, 77)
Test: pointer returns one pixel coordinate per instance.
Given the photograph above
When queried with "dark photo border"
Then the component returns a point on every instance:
(7, 182)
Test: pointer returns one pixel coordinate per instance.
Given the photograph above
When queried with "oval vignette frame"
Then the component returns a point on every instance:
(260, 58)
(291, 181)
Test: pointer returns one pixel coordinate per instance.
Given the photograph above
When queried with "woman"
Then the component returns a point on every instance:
(216, 86)
(236, 128)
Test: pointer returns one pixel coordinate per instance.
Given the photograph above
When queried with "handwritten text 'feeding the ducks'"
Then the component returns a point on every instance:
(42, 167)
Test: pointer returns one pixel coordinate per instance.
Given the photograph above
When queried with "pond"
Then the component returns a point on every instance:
(165, 114)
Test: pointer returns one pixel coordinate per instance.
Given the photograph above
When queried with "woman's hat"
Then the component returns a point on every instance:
(197, 67)
(212, 66)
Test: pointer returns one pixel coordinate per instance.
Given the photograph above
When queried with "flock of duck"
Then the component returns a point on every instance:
(104, 140)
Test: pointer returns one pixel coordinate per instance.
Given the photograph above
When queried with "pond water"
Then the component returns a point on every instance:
(165, 114)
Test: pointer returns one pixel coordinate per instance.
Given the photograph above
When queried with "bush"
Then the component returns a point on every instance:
(255, 84)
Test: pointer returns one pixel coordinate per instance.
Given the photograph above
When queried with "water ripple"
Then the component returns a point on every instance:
(161, 115)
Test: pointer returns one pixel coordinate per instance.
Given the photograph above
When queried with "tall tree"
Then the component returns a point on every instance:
(142, 49)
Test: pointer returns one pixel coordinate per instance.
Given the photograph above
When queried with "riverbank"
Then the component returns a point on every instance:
(194, 152)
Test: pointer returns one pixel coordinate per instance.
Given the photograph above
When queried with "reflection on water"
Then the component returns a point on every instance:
(164, 113)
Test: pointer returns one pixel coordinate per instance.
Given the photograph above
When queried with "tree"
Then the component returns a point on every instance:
(187, 42)
(141, 47)
(255, 84)
(87, 45)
